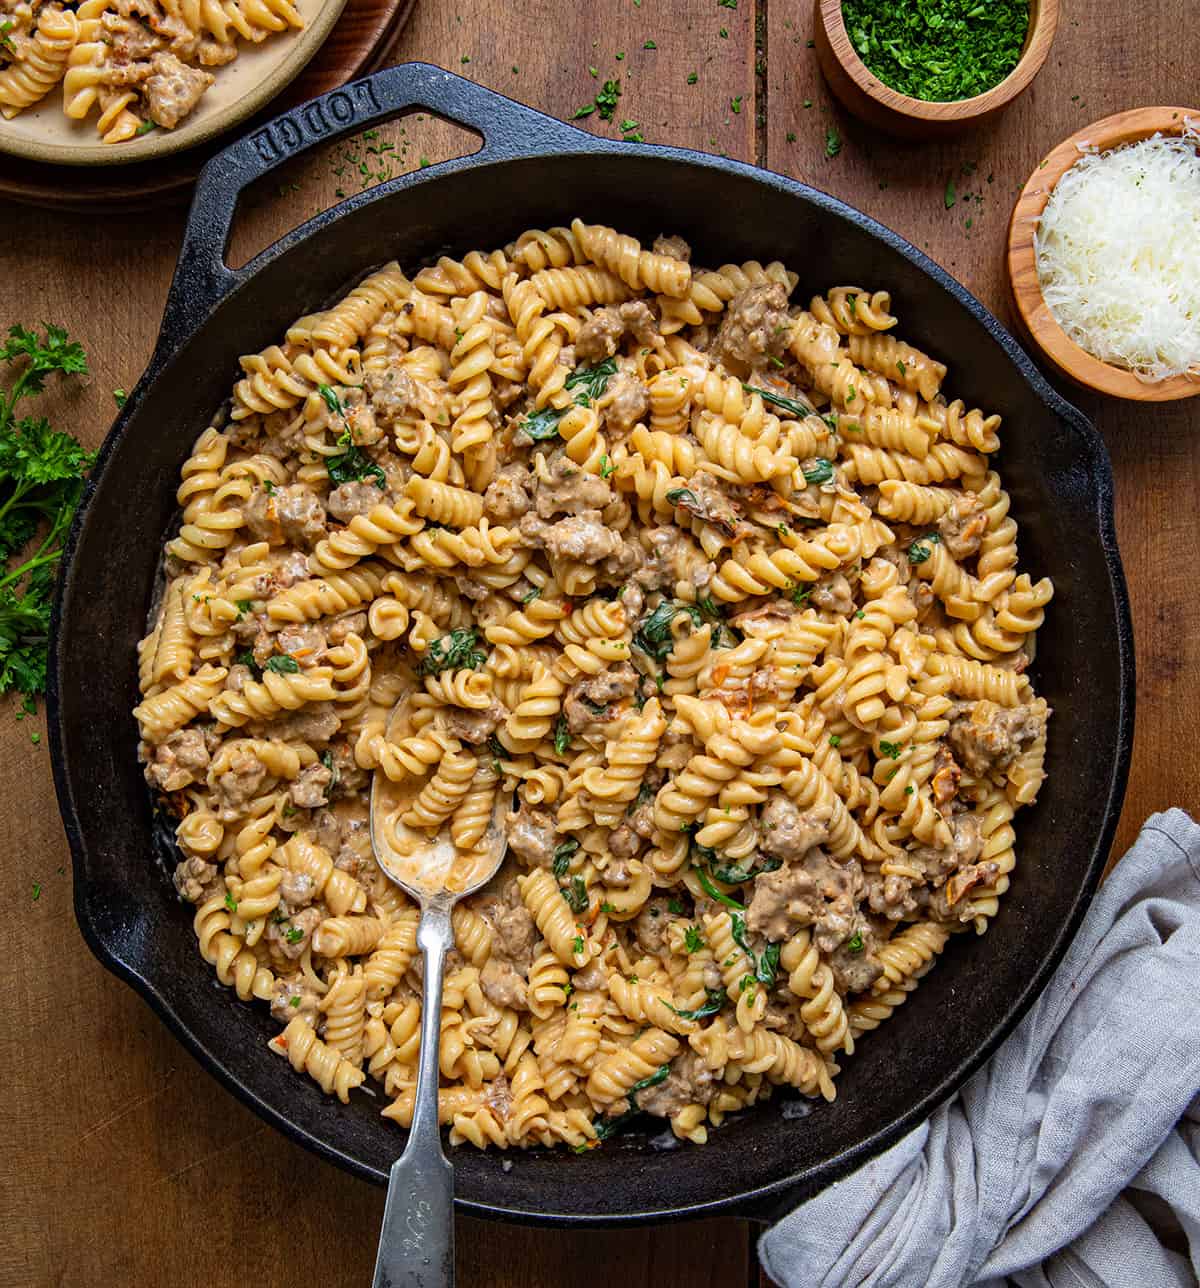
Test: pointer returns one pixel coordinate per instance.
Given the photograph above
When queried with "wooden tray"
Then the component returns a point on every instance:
(358, 44)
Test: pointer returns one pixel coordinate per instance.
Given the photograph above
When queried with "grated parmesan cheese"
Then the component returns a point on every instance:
(1118, 255)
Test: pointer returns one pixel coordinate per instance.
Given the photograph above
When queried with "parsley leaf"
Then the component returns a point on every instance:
(282, 664)
(453, 652)
(41, 482)
(353, 465)
(562, 735)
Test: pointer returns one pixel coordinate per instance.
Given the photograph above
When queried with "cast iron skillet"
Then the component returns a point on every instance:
(534, 171)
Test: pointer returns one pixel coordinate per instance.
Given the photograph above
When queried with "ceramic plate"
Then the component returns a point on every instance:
(44, 133)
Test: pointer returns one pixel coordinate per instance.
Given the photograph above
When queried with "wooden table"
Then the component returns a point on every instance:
(124, 1162)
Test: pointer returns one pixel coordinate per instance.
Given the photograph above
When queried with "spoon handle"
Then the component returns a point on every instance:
(416, 1243)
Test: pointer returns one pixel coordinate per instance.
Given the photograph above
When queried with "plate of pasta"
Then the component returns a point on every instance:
(105, 82)
(724, 560)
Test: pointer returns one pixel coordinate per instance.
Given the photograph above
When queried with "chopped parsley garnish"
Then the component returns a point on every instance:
(891, 750)
(454, 652)
(591, 382)
(921, 549)
(294, 1000)
(951, 195)
(37, 891)
(799, 594)
(246, 658)
(607, 468)
(562, 735)
(282, 664)
(293, 934)
(675, 907)
(833, 142)
(835, 740)
(855, 945)
(605, 102)
(576, 948)
(230, 902)
(352, 466)
(530, 596)
(735, 105)
(120, 397)
(146, 127)
(243, 606)
(607, 907)
(820, 471)
(693, 940)
(693, 77)
(938, 50)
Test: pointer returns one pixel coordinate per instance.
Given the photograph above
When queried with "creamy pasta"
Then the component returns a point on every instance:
(718, 590)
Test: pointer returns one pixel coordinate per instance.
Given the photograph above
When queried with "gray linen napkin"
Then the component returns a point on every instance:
(1021, 1174)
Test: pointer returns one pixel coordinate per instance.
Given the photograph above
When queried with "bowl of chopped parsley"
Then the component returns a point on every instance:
(923, 68)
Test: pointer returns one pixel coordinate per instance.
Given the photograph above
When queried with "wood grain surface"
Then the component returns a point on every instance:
(124, 1163)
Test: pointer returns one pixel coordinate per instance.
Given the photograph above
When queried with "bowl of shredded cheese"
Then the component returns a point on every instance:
(1104, 255)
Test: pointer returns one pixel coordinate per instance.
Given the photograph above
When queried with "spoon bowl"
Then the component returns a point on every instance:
(416, 1242)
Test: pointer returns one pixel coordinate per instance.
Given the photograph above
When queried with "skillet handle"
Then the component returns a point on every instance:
(202, 278)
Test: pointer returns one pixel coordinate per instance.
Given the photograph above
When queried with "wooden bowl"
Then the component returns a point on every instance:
(863, 93)
(1031, 308)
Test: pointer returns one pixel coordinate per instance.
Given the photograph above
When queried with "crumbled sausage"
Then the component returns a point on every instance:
(195, 879)
(311, 789)
(349, 499)
(292, 935)
(598, 699)
(173, 89)
(650, 926)
(689, 1082)
(583, 537)
(286, 515)
(294, 997)
(986, 738)
(755, 326)
(671, 556)
(569, 490)
(626, 401)
(392, 393)
(531, 836)
(473, 726)
(180, 760)
(833, 594)
(962, 527)
(789, 834)
(508, 495)
(854, 964)
(317, 722)
(814, 892)
(303, 641)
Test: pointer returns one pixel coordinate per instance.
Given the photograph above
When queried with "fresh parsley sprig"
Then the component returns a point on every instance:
(41, 482)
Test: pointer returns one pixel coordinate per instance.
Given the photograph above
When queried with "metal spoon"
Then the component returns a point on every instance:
(416, 1243)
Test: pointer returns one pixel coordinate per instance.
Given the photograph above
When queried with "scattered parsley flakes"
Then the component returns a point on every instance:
(649, 45)
(693, 940)
(951, 194)
(120, 397)
(735, 105)
(37, 891)
(833, 142)
(693, 77)
(891, 750)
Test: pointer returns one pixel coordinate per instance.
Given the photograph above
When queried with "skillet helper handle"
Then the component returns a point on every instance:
(416, 1243)
(202, 277)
